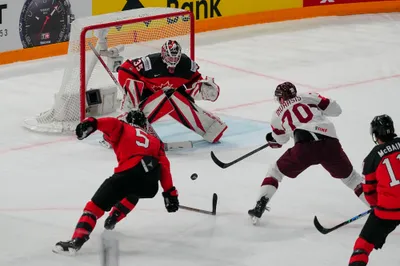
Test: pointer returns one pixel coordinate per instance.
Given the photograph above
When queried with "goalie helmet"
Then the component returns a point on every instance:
(136, 118)
(285, 91)
(171, 53)
(382, 128)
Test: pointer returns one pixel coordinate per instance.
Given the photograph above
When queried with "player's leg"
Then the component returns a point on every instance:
(336, 162)
(373, 235)
(293, 162)
(143, 184)
(120, 211)
(105, 197)
(198, 120)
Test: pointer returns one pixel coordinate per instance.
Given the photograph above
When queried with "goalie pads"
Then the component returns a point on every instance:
(156, 106)
(202, 122)
(186, 112)
(133, 90)
(205, 89)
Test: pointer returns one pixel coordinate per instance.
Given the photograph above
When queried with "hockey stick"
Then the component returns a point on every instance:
(225, 165)
(168, 146)
(324, 230)
(212, 212)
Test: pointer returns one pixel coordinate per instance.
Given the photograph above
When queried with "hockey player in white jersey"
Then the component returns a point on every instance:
(304, 118)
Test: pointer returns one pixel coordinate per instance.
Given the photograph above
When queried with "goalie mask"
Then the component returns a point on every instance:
(171, 53)
(285, 91)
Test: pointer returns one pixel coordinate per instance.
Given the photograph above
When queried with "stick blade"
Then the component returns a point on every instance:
(214, 204)
(319, 227)
(217, 161)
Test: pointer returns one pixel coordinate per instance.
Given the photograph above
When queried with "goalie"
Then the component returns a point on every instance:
(169, 83)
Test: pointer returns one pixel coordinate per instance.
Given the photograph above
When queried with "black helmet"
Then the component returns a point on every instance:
(382, 128)
(285, 91)
(137, 117)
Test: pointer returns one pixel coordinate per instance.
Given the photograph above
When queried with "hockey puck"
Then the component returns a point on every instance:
(194, 176)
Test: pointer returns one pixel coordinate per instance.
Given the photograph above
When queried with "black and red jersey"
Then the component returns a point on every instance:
(131, 144)
(382, 179)
(154, 72)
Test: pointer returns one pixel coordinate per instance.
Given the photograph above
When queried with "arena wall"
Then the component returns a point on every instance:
(210, 15)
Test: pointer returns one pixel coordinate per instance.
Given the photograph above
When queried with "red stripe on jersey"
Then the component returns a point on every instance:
(323, 104)
(278, 131)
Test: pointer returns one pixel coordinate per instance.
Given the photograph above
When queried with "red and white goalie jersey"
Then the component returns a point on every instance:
(305, 111)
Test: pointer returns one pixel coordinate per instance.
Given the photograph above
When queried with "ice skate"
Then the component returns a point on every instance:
(112, 220)
(258, 210)
(69, 247)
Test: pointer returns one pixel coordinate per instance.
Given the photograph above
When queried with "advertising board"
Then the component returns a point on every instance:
(202, 9)
(333, 2)
(30, 23)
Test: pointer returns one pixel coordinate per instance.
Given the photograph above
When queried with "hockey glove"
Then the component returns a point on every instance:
(171, 199)
(272, 142)
(86, 127)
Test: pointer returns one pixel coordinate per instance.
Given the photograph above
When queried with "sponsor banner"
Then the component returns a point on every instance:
(333, 2)
(202, 9)
(30, 23)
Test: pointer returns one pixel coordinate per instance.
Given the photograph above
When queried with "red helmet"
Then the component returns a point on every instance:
(171, 53)
(285, 91)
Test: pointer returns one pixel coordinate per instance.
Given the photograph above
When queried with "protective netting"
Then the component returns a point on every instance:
(138, 37)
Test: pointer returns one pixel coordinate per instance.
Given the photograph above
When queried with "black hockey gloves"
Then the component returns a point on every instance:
(171, 199)
(86, 127)
(272, 142)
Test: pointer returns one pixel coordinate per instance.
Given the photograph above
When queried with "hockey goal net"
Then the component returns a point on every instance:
(117, 36)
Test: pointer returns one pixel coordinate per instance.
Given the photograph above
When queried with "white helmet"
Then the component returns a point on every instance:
(171, 53)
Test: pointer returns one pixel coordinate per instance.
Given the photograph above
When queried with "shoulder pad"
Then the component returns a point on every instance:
(146, 63)
(185, 60)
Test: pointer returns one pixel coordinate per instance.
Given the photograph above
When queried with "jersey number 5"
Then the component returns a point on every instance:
(144, 140)
(393, 180)
(301, 111)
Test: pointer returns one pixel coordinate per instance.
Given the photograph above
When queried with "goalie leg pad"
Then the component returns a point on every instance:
(210, 127)
(156, 106)
(133, 90)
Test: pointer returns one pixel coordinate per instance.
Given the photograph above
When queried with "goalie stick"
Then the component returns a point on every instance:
(324, 230)
(212, 212)
(226, 165)
(168, 146)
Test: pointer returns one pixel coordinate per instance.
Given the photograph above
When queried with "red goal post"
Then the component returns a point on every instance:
(139, 32)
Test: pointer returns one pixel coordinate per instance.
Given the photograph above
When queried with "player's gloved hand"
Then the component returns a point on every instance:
(272, 142)
(86, 127)
(171, 199)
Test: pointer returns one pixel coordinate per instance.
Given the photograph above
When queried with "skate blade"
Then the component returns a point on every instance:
(61, 251)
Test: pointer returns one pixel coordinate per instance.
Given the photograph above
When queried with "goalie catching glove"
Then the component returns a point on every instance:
(171, 199)
(205, 89)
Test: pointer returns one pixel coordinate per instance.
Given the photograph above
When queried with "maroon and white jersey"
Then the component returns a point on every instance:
(305, 111)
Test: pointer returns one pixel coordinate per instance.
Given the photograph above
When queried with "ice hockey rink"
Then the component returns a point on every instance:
(47, 179)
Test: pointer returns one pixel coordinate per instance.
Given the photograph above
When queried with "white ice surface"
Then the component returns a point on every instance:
(46, 180)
